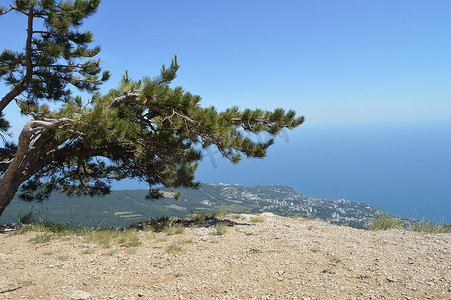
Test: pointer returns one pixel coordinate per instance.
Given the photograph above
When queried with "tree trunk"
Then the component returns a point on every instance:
(35, 150)
(9, 184)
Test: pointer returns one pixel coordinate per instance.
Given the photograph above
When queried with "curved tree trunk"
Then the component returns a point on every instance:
(9, 184)
(35, 150)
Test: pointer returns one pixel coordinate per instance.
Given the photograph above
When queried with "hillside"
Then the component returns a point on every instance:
(122, 208)
(257, 257)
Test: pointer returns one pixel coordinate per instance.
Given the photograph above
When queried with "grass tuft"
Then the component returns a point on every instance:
(235, 217)
(173, 248)
(430, 227)
(42, 238)
(26, 218)
(197, 217)
(335, 260)
(106, 237)
(59, 229)
(257, 219)
(221, 229)
(254, 251)
(158, 224)
(385, 221)
(172, 230)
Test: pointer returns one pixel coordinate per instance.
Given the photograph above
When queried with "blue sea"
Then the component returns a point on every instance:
(403, 168)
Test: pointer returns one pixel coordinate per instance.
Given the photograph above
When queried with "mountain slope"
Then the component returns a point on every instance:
(125, 207)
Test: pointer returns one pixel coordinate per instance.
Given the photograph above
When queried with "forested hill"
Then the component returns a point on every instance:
(122, 208)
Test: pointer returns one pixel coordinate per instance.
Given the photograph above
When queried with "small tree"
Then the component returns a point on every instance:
(143, 129)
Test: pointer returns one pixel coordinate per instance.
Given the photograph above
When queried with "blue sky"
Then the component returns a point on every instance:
(358, 65)
(332, 61)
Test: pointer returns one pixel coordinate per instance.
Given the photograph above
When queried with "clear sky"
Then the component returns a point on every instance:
(338, 63)
(332, 61)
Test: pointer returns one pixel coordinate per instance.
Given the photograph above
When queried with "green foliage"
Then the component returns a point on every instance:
(385, 221)
(198, 217)
(156, 136)
(40, 71)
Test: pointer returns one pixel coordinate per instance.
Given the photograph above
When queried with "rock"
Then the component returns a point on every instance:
(267, 214)
(390, 279)
(80, 295)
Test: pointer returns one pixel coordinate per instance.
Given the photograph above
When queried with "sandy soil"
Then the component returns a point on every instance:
(279, 258)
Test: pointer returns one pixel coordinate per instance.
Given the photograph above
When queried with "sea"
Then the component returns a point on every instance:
(401, 168)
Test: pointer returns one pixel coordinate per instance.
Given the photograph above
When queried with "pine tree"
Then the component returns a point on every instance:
(143, 129)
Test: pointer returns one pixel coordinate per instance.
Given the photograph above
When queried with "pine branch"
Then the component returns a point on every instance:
(127, 98)
(5, 150)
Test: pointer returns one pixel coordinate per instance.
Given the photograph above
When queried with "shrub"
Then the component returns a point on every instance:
(158, 224)
(197, 217)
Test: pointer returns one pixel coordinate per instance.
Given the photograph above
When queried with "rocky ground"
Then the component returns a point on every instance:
(278, 258)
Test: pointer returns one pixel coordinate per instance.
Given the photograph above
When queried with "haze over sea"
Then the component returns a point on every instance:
(403, 168)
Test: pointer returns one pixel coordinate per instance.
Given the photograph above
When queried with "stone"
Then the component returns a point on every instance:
(80, 295)
(390, 279)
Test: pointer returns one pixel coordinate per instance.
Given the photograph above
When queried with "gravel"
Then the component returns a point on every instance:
(279, 258)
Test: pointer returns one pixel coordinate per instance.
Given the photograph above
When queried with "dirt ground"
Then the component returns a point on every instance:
(278, 258)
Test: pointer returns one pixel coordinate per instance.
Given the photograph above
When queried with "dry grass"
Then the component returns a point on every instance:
(172, 230)
(106, 237)
(385, 221)
(257, 219)
(173, 248)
